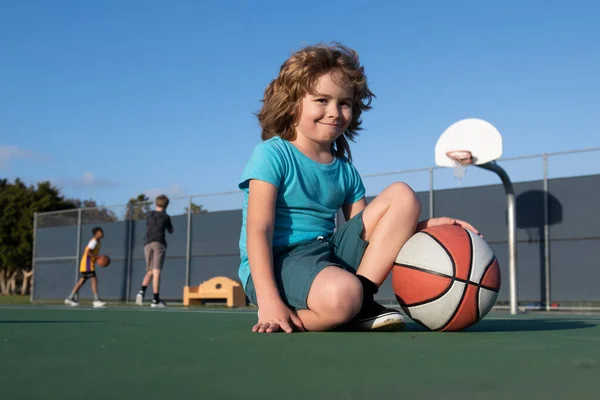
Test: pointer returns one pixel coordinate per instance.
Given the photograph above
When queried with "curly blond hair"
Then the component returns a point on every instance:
(298, 76)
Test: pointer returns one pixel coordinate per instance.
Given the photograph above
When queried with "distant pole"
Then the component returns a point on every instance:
(512, 230)
(188, 243)
(129, 251)
(430, 192)
(77, 250)
(547, 281)
(33, 256)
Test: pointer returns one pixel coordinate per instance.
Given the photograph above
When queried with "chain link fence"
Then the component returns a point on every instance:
(207, 225)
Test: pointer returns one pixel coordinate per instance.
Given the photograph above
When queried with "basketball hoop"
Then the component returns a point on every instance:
(461, 160)
(480, 144)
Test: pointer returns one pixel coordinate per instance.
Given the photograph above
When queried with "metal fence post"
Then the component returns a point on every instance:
(129, 251)
(188, 245)
(430, 192)
(78, 251)
(33, 256)
(547, 282)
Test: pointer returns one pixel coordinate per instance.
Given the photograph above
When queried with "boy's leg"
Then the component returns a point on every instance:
(368, 245)
(156, 282)
(148, 255)
(71, 299)
(157, 264)
(335, 297)
(389, 221)
(97, 302)
(323, 294)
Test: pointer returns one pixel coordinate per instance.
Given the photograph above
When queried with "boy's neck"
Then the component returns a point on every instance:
(160, 209)
(315, 151)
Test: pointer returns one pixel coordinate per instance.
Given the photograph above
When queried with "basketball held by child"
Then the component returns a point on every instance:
(103, 261)
(446, 278)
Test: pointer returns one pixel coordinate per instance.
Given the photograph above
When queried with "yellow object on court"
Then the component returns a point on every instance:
(217, 288)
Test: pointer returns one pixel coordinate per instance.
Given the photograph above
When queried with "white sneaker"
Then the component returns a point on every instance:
(160, 304)
(375, 317)
(99, 303)
(71, 303)
(139, 299)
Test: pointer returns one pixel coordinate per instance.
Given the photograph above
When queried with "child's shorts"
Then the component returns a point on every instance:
(154, 254)
(297, 266)
(87, 274)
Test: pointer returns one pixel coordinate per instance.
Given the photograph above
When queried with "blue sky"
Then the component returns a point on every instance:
(109, 99)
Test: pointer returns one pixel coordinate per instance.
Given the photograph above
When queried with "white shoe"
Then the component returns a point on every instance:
(71, 303)
(160, 304)
(99, 303)
(388, 321)
(375, 317)
(139, 299)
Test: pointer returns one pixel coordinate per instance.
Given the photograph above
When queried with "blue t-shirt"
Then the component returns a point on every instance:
(309, 193)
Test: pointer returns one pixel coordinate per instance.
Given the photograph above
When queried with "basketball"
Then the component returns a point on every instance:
(446, 278)
(103, 261)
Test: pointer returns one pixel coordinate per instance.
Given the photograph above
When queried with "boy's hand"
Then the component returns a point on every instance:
(428, 223)
(275, 317)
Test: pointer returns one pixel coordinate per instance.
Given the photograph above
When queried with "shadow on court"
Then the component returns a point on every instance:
(528, 325)
(516, 325)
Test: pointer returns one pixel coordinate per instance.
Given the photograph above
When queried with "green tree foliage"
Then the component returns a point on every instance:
(92, 213)
(18, 203)
(138, 207)
(196, 209)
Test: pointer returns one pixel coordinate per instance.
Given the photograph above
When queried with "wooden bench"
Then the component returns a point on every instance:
(217, 288)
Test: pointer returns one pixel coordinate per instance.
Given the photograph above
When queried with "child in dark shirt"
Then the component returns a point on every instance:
(155, 245)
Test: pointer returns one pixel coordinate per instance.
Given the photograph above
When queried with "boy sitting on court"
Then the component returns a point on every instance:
(87, 270)
(155, 245)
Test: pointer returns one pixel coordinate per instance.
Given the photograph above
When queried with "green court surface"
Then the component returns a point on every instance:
(132, 353)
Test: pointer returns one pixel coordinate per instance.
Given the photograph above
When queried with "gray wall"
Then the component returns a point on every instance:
(574, 232)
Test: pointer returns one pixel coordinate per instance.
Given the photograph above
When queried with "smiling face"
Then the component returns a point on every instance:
(325, 114)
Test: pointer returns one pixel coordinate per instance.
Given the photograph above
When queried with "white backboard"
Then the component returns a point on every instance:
(479, 137)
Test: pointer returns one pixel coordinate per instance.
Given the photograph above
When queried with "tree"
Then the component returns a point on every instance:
(196, 209)
(138, 207)
(93, 213)
(18, 203)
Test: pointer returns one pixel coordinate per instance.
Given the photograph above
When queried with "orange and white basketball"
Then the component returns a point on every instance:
(446, 278)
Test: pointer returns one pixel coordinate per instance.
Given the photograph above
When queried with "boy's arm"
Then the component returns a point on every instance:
(259, 234)
(169, 224)
(355, 201)
(350, 210)
(90, 247)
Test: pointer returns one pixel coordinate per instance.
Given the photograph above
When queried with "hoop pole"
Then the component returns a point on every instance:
(512, 230)
(430, 192)
(547, 282)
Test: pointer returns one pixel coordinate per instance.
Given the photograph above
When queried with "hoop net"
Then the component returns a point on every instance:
(461, 159)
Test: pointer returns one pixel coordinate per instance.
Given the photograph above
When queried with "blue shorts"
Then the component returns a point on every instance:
(296, 267)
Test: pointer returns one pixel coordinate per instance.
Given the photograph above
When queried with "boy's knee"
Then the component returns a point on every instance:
(401, 193)
(341, 299)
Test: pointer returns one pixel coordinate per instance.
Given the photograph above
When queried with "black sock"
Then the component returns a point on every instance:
(156, 298)
(369, 289)
(143, 290)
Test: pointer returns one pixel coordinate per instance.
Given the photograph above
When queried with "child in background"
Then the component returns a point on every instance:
(87, 270)
(155, 246)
